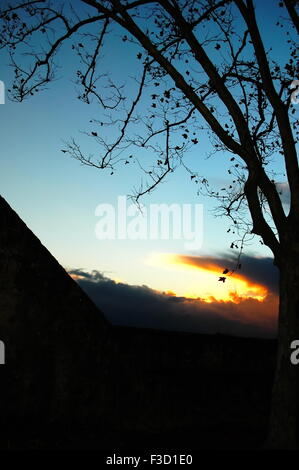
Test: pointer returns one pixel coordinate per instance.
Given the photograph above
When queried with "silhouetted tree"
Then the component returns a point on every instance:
(203, 67)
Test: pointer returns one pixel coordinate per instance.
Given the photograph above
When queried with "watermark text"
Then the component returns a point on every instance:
(2, 353)
(295, 354)
(2, 92)
(295, 93)
(157, 222)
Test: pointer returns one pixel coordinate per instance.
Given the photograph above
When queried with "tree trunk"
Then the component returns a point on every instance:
(283, 432)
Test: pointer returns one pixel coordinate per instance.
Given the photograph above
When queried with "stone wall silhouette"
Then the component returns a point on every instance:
(53, 334)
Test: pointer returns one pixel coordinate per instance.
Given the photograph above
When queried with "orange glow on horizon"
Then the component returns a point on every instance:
(206, 287)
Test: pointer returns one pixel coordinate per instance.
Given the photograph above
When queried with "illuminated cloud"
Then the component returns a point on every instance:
(141, 306)
(199, 275)
(255, 271)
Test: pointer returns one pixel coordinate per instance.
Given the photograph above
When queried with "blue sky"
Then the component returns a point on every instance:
(57, 197)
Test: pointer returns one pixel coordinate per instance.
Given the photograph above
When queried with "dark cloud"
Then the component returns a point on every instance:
(140, 306)
(284, 192)
(261, 271)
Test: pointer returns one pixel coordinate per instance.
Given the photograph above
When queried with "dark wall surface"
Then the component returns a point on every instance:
(53, 333)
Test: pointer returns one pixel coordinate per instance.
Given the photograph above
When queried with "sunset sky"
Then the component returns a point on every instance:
(57, 198)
